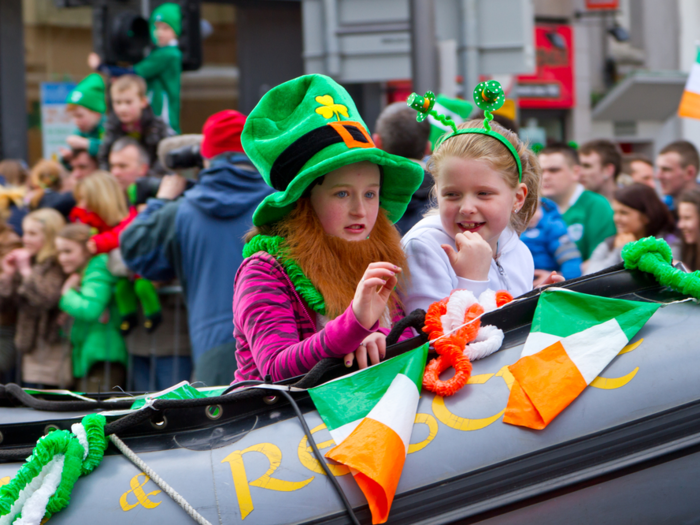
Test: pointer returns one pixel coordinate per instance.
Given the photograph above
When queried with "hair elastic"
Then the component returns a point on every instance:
(488, 96)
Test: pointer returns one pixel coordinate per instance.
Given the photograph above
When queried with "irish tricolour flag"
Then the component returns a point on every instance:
(456, 108)
(574, 336)
(370, 416)
(690, 102)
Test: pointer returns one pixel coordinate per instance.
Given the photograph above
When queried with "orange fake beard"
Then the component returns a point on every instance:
(336, 266)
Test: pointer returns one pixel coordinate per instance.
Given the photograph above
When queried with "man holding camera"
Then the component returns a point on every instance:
(199, 239)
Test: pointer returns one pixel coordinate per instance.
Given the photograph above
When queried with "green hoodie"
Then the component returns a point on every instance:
(94, 340)
(162, 68)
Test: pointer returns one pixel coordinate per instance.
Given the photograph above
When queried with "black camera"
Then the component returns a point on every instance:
(185, 157)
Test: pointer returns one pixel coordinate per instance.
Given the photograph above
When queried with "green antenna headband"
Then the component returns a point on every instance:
(488, 96)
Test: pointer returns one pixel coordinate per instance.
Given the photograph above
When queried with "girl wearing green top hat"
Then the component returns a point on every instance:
(323, 258)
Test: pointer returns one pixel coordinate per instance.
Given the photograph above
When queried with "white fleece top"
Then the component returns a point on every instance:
(432, 276)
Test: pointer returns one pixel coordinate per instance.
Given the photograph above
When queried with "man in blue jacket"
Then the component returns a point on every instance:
(199, 239)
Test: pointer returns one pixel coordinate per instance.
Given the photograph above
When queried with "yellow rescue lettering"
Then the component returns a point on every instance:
(611, 383)
(141, 497)
(432, 432)
(306, 457)
(266, 481)
(460, 423)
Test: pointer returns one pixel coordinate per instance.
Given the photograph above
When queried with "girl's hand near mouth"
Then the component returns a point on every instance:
(472, 260)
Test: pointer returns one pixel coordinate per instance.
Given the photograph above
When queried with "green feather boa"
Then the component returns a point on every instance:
(302, 284)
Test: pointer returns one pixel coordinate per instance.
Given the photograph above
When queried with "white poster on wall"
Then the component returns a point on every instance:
(56, 123)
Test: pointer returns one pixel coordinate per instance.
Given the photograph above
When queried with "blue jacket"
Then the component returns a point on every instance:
(550, 244)
(199, 239)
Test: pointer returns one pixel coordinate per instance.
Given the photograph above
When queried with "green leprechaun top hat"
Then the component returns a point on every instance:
(89, 93)
(307, 127)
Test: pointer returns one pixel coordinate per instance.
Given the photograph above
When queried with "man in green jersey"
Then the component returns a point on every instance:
(588, 215)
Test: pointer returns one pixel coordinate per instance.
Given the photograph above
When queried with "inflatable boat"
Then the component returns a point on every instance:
(626, 450)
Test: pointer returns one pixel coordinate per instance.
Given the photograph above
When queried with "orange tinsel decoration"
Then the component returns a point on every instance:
(450, 349)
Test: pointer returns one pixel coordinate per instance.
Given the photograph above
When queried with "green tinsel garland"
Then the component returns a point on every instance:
(74, 466)
(654, 256)
(302, 284)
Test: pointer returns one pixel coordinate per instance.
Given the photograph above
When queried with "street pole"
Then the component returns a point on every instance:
(13, 101)
(424, 60)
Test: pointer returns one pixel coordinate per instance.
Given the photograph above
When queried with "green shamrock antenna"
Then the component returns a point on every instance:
(424, 106)
(488, 96)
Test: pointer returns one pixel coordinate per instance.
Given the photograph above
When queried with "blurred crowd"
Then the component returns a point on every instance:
(118, 259)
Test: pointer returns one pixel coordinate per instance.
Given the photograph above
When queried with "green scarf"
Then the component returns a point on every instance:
(302, 284)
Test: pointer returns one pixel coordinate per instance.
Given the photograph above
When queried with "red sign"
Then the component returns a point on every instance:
(552, 85)
(602, 4)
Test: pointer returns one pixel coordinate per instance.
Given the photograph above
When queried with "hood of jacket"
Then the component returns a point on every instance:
(229, 188)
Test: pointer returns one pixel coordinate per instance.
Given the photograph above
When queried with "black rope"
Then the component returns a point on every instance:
(415, 320)
(320, 458)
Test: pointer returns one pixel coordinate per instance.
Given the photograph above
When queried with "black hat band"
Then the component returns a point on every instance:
(292, 159)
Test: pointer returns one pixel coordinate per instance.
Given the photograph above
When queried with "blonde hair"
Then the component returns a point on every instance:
(482, 147)
(125, 82)
(45, 175)
(103, 195)
(51, 222)
(10, 196)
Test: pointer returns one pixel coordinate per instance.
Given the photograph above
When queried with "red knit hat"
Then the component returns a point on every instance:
(222, 133)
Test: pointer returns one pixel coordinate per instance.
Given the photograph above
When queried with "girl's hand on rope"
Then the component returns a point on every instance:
(373, 347)
(373, 292)
(472, 260)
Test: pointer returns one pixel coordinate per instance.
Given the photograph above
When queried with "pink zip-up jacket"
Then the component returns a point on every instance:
(275, 330)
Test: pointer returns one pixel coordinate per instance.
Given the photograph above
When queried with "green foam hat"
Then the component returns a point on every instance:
(168, 13)
(89, 93)
(308, 127)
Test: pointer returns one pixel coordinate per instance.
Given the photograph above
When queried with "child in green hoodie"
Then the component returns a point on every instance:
(87, 107)
(161, 68)
(99, 352)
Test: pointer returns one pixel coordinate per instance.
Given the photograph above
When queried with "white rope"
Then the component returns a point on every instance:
(196, 516)
(432, 341)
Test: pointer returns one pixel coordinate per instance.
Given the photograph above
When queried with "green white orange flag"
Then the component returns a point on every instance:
(690, 101)
(370, 416)
(574, 336)
(456, 108)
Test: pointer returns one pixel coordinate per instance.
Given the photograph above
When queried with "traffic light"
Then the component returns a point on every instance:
(120, 35)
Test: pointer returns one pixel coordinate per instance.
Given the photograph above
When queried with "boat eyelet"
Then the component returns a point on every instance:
(159, 424)
(270, 400)
(49, 428)
(214, 412)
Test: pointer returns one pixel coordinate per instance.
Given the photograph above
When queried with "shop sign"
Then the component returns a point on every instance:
(602, 4)
(552, 85)
(56, 123)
